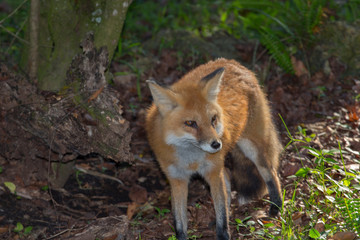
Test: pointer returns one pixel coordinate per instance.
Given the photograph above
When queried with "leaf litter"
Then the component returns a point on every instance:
(320, 105)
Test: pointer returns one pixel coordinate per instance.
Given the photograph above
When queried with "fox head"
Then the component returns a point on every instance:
(189, 112)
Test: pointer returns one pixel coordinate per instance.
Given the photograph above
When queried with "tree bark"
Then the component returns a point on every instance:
(62, 25)
(46, 131)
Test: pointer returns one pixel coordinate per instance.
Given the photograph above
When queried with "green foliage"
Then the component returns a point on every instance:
(12, 27)
(313, 233)
(161, 212)
(277, 50)
(11, 186)
(77, 176)
(19, 229)
(334, 197)
(324, 192)
(284, 28)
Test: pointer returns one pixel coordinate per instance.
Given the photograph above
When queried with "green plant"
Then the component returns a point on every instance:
(12, 27)
(303, 132)
(161, 212)
(334, 197)
(192, 235)
(77, 176)
(172, 238)
(323, 191)
(11, 186)
(19, 229)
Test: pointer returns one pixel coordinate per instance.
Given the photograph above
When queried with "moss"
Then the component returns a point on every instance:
(341, 40)
(63, 24)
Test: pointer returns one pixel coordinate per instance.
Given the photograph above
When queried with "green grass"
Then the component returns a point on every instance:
(323, 192)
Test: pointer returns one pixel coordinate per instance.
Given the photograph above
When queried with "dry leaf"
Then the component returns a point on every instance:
(4, 229)
(299, 67)
(320, 227)
(344, 236)
(96, 94)
(297, 218)
(353, 117)
(131, 210)
(138, 194)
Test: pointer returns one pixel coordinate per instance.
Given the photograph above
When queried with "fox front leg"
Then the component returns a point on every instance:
(219, 192)
(179, 194)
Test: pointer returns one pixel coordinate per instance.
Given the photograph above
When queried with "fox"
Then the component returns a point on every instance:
(215, 109)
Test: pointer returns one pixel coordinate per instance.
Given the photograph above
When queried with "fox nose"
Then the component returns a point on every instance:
(215, 144)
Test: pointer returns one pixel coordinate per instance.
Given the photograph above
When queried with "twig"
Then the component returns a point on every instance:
(14, 35)
(17, 33)
(58, 234)
(13, 12)
(97, 174)
(34, 39)
(65, 231)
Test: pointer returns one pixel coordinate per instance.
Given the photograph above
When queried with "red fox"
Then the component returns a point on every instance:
(215, 109)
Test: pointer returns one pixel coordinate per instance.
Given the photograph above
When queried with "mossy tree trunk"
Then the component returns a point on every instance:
(62, 25)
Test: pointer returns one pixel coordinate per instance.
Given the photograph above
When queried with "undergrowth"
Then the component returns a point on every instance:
(284, 28)
(325, 198)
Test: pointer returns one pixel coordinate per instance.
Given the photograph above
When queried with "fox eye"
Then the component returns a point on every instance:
(192, 124)
(214, 120)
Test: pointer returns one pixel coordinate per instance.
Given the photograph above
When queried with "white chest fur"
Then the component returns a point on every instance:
(190, 160)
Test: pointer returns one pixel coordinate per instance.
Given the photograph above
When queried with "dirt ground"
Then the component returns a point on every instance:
(93, 196)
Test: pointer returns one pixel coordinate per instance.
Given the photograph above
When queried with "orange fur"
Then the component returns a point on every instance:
(231, 114)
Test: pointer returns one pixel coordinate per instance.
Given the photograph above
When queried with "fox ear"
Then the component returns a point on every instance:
(212, 84)
(164, 98)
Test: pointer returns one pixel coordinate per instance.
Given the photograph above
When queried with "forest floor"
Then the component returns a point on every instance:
(323, 106)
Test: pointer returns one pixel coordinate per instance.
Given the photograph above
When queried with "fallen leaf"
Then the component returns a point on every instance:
(113, 237)
(353, 117)
(96, 94)
(320, 227)
(297, 218)
(290, 169)
(299, 67)
(131, 210)
(344, 236)
(4, 229)
(138, 194)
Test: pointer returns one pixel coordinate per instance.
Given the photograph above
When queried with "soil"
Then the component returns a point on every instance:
(101, 189)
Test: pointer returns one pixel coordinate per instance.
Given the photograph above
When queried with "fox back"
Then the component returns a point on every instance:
(215, 109)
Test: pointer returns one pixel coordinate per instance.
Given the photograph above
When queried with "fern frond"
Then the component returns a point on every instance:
(277, 50)
(349, 209)
(312, 15)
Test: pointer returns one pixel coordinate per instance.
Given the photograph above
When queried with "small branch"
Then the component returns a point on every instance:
(97, 174)
(13, 12)
(14, 35)
(34, 39)
(17, 33)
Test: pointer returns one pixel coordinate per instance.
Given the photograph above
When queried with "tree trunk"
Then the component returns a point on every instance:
(48, 131)
(62, 25)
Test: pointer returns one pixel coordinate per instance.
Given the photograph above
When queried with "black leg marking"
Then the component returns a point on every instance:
(222, 231)
(180, 234)
(274, 198)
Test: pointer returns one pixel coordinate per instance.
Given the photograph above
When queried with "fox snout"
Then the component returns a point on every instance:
(211, 147)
